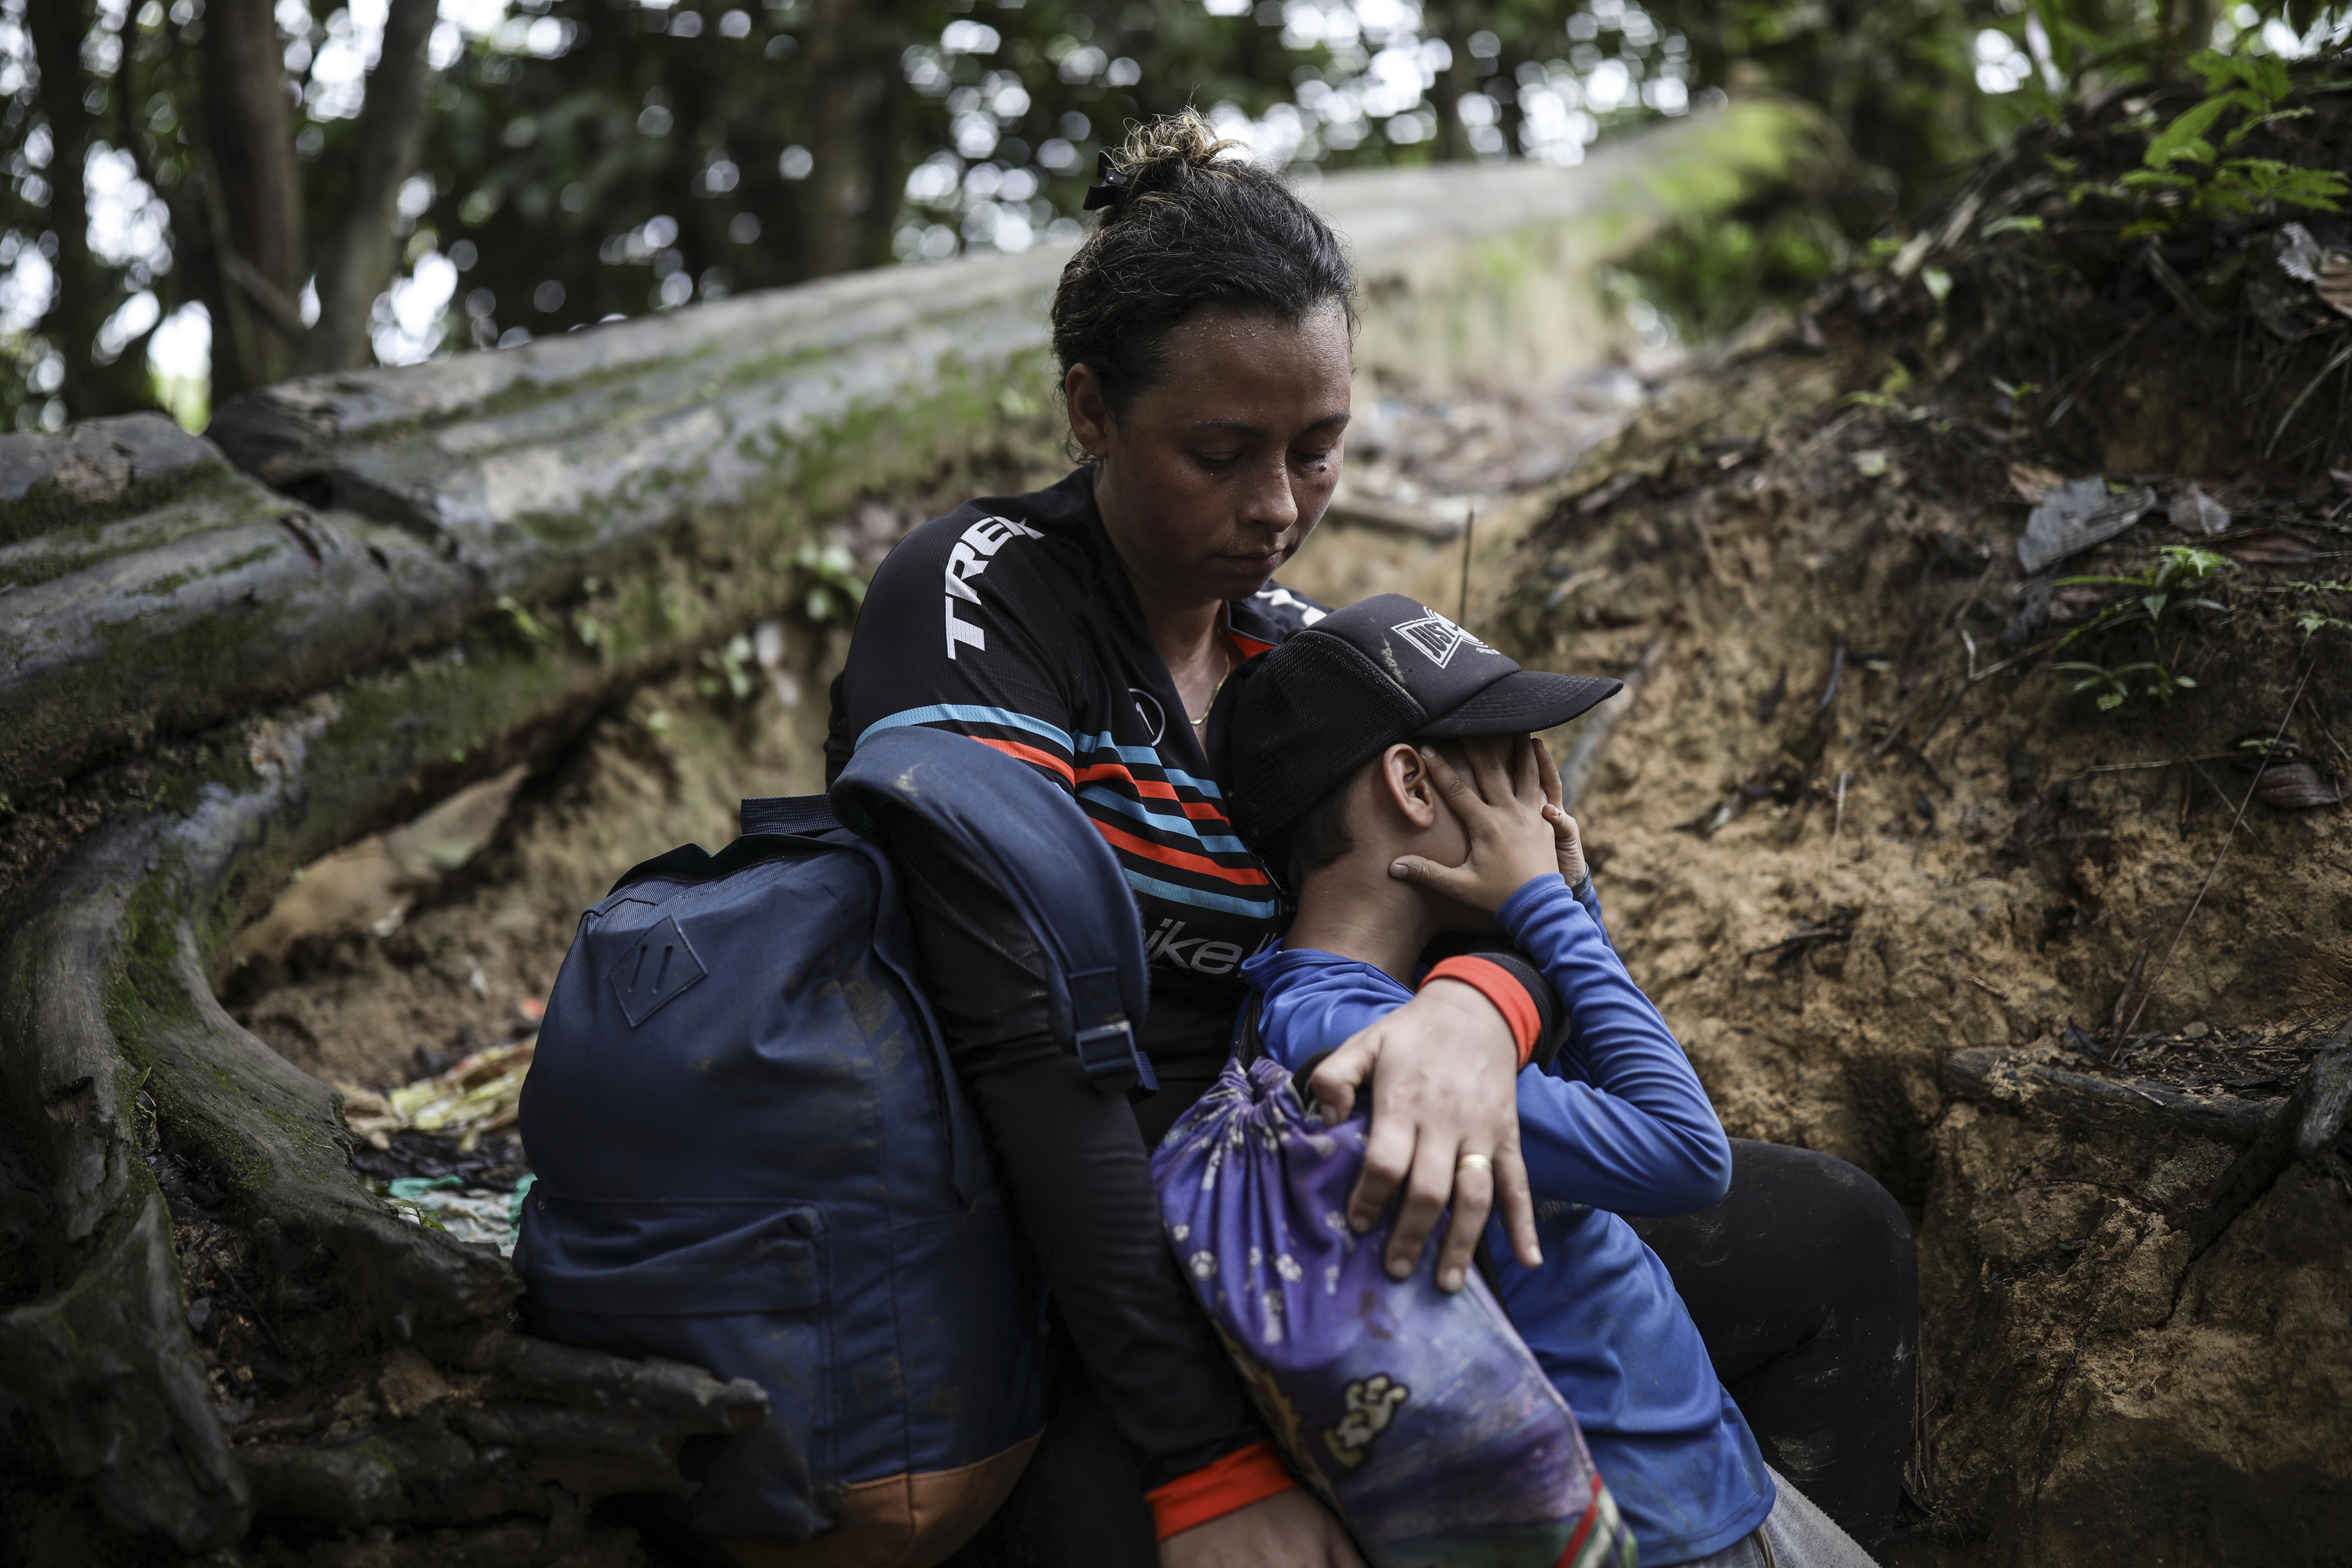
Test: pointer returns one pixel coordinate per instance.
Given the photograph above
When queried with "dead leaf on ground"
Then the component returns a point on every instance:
(2077, 515)
(2295, 787)
(2329, 272)
(2267, 545)
(2033, 484)
(2194, 511)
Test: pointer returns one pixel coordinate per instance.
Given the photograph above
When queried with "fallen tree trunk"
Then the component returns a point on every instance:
(218, 598)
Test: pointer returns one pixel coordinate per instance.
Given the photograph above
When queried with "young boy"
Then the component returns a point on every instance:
(1340, 783)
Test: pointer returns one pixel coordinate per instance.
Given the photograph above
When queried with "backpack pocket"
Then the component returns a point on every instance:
(742, 1289)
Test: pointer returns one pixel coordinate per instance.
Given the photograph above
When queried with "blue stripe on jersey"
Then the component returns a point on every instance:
(1092, 745)
(1217, 843)
(1253, 908)
(970, 713)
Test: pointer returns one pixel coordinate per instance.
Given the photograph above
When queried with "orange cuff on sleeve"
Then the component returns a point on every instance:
(1497, 985)
(1219, 1487)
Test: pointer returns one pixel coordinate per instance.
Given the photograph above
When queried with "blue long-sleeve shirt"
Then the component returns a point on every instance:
(1618, 1124)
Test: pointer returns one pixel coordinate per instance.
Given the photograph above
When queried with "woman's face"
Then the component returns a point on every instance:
(1219, 470)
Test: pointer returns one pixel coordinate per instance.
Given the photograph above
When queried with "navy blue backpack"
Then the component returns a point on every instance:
(753, 1154)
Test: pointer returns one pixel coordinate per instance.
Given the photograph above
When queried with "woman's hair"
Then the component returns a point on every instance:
(1188, 229)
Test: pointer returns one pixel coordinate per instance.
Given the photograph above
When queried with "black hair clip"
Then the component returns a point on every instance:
(1114, 188)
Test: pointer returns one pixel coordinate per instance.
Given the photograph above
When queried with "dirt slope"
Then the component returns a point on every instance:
(1835, 861)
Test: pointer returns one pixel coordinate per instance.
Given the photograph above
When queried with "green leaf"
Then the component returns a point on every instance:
(2111, 701)
(2185, 137)
(524, 621)
(2015, 223)
(2218, 68)
(2266, 74)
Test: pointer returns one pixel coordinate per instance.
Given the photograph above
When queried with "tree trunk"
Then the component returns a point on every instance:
(86, 296)
(253, 189)
(844, 92)
(363, 252)
(1458, 78)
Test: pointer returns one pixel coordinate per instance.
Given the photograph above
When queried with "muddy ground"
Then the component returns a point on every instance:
(1832, 857)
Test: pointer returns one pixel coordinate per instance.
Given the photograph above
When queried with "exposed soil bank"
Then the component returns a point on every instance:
(1835, 859)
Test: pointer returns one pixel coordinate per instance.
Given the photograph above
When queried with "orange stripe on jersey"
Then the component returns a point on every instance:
(1030, 754)
(1182, 859)
(1152, 789)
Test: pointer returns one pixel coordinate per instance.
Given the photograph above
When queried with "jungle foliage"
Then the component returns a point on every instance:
(339, 185)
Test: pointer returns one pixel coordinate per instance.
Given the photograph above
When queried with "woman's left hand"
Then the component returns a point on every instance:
(1445, 1089)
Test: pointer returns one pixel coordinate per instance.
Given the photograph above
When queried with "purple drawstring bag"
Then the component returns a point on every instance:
(1420, 1418)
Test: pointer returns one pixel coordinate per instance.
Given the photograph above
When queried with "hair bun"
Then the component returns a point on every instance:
(1162, 156)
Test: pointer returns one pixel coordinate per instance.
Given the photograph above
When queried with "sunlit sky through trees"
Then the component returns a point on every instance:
(559, 185)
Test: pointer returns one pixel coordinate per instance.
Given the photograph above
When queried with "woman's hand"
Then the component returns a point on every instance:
(1444, 1071)
(1288, 1530)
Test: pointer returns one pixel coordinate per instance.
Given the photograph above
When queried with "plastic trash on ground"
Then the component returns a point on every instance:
(1420, 1418)
(478, 1214)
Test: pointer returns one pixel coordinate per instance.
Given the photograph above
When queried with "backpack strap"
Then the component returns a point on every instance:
(804, 814)
(1031, 840)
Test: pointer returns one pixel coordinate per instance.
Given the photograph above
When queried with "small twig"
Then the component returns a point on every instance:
(1824, 435)
(1837, 823)
(1901, 716)
(2137, 767)
(2116, 1034)
(2000, 996)
(2215, 870)
(1958, 624)
(1802, 938)
(1583, 758)
(1837, 678)
(1469, 527)
(2072, 381)
(2295, 407)
(2200, 316)
(2224, 796)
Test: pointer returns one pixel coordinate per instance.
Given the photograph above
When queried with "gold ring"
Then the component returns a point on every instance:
(1474, 1163)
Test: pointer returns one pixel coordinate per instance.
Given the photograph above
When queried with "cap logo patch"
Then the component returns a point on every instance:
(1438, 638)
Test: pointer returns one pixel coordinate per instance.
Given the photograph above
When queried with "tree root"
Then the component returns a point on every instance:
(114, 1056)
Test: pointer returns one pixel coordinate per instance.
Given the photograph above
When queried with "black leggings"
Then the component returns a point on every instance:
(1802, 1281)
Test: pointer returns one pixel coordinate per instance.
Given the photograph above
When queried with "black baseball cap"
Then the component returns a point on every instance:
(1389, 668)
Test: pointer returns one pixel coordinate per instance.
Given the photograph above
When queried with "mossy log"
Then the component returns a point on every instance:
(147, 587)
(417, 578)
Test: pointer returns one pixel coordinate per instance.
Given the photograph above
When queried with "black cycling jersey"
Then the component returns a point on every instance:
(1011, 620)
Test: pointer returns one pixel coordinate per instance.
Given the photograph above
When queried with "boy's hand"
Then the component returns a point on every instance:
(1506, 815)
(1566, 839)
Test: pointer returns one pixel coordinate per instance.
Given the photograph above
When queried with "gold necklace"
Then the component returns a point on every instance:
(1220, 686)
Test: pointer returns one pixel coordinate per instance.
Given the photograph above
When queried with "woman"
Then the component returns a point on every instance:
(1203, 333)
